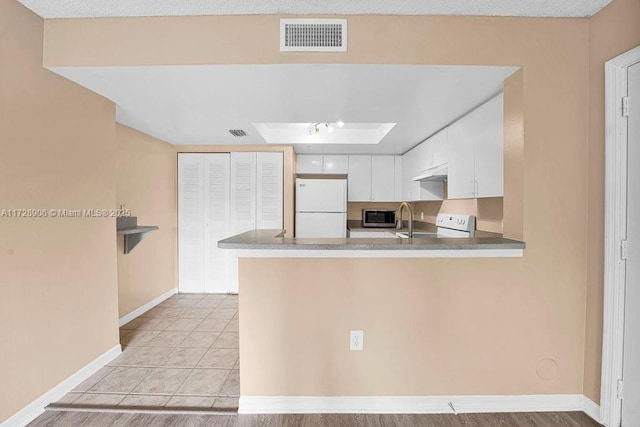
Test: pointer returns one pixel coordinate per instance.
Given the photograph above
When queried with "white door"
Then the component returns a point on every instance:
(321, 224)
(382, 178)
(269, 191)
(631, 357)
(359, 178)
(191, 236)
(243, 192)
(321, 195)
(216, 218)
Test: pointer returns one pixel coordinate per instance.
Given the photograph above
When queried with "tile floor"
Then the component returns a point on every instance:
(181, 354)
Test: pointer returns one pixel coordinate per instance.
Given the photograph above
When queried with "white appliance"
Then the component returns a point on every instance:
(449, 225)
(321, 207)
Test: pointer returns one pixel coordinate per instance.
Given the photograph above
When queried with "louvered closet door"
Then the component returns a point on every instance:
(269, 191)
(216, 218)
(243, 204)
(191, 239)
(243, 192)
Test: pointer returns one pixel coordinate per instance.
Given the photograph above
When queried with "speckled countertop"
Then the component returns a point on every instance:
(272, 239)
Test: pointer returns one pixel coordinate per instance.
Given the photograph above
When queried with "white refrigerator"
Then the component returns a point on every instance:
(321, 207)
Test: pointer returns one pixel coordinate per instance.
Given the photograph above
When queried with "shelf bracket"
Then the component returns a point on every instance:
(131, 240)
(133, 233)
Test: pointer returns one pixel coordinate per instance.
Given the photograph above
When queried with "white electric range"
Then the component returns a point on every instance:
(449, 225)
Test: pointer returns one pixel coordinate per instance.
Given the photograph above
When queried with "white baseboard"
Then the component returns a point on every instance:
(592, 409)
(35, 408)
(148, 306)
(409, 404)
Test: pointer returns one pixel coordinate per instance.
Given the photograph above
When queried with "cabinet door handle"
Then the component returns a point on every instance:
(473, 187)
(476, 186)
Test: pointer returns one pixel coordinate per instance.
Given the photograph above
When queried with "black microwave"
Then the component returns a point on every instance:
(382, 218)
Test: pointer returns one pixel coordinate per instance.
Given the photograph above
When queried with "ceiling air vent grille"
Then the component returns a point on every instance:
(237, 132)
(313, 35)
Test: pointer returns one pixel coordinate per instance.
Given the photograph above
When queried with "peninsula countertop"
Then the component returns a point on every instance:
(271, 243)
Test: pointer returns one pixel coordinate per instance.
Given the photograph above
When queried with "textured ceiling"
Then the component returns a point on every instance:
(106, 8)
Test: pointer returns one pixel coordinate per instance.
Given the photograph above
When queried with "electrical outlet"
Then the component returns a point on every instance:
(421, 216)
(357, 341)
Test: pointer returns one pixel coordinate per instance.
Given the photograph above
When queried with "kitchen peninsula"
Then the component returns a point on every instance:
(407, 295)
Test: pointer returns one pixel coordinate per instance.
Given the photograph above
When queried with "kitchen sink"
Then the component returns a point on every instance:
(418, 235)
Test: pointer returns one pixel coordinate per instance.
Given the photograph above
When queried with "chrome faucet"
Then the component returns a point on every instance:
(399, 218)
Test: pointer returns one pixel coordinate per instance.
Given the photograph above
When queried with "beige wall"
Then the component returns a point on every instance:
(488, 211)
(431, 327)
(289, 171)
(146, 184)
(465, 326)
(542, 297)
(612, 31)
(59, 305)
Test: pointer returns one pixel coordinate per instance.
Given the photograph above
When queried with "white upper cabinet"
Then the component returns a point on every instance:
(410, 189)
(461, 179)
(489, 150)
(335, 164)
(436, 150)
(359, 179)
(375, 178)
(319, 164)
(309, 163)
(382, 178)
(476, 153)
(397, 179)
(413, 164)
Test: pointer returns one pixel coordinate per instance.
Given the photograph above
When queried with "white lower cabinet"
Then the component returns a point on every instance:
(219, 195)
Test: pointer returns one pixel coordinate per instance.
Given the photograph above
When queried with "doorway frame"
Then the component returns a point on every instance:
(615, 231)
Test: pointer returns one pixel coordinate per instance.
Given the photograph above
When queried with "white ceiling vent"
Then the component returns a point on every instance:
(313, 35)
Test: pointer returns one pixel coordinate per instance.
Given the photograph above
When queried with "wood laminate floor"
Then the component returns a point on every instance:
(100, 419)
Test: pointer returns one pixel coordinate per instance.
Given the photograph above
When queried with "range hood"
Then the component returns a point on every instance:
(436, 173)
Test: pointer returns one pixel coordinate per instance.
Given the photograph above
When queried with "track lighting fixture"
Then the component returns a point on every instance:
(314, 129)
